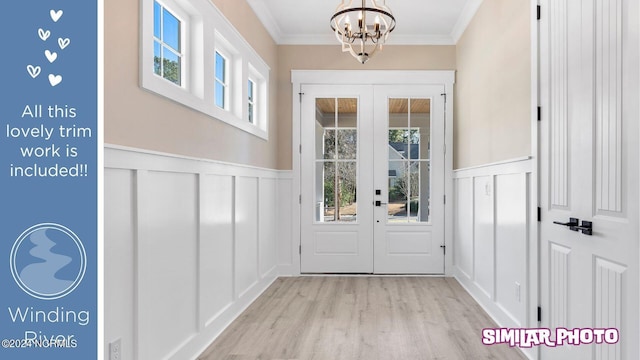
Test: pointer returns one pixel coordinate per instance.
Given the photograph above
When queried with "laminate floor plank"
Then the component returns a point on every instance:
(359, 318)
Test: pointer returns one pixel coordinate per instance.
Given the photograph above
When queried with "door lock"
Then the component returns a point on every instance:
(586, 228)
(379, 203)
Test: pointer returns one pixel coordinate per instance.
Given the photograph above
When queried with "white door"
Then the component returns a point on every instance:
(589, 171)
(351, 142)
(336, 200)
(409, 179)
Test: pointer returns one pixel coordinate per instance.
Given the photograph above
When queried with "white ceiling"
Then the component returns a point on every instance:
(419, 22)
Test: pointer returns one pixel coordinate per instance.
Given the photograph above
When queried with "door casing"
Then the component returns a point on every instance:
(368, 77)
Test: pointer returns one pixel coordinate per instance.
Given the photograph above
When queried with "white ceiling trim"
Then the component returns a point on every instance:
(330, 39)
(264, 15)
(468, 12)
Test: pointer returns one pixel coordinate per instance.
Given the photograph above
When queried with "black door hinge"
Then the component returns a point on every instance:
(444, 249)
(538, 12)
(539, 314)
(539, 214)
(539, 113)
(300, 93)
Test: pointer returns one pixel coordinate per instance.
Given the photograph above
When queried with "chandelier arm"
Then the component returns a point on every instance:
(365, 9)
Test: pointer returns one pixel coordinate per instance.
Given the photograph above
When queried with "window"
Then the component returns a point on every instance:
(192, 55)
(221, 91)
(167, 44)
(251, 91)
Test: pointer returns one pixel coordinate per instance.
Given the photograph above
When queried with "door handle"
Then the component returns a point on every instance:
(586, 228)
(573, 222)
(379, 203)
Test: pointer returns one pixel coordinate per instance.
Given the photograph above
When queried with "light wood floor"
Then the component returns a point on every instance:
(360, 318)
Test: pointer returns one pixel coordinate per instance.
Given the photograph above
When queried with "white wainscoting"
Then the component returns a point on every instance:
(189, 244)
(494, 250)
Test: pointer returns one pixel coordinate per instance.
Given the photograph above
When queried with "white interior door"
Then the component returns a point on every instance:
(589, 171)
(409, 179)
(351, 142)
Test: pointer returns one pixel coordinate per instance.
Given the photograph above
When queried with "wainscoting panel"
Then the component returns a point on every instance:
(246, 253)
(511, 224)
(216, 243)
(268, 216)
(189, 244)
(483, 230)
(119, 251)
(492, 224)
(167, 254)
(463, 234)
(285, 238)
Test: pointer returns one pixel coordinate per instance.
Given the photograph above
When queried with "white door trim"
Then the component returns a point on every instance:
(370, 77)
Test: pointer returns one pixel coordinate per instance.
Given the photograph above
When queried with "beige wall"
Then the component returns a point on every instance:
(492, 117)
(137, 118)
(492, 106)
(330, 57)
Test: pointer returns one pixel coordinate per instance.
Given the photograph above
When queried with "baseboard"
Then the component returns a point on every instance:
(199, 344)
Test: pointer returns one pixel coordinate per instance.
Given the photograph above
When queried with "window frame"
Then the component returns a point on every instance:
(205, 31)
(252, 99)
(180, 53)
(225, 83)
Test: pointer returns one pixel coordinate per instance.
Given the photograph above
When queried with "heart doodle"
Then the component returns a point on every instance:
(44, 34)
(55, 79)
(55, 15)
(63, 43)
(34, 71)
(51, 56)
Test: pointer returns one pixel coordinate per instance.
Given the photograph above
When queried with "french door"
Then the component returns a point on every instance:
(372, 179)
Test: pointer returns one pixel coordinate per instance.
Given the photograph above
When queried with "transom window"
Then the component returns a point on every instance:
(251, 91)
(221, 81)
(191, 54)
(167, 44)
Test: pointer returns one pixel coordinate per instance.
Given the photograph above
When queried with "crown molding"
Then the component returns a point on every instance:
(263, 13)
(468, 12)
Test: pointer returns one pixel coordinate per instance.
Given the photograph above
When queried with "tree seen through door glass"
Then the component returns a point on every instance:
(336, 144)
(409, 164)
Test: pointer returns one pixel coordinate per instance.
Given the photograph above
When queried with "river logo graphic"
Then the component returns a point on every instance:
(48, 261)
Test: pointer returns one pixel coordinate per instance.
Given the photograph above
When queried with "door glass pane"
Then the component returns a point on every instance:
(421, 125)
(409, 141)
(347, 135)
(348, 189)
(328, 141)
(398, 191)
(325, 191)
(336, 148)
(347, 144)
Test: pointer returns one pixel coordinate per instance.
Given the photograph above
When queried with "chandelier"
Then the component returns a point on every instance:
(370, 29)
